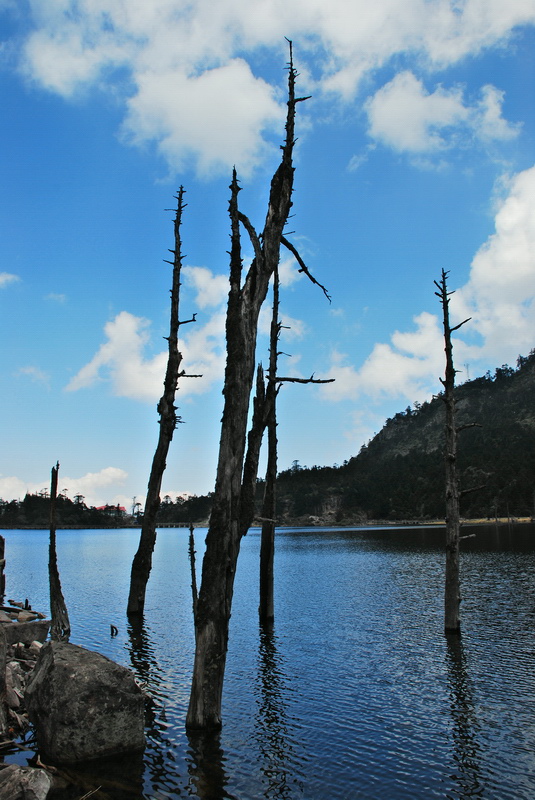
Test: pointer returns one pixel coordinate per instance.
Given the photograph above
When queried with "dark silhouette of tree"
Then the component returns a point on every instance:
(452, 594)
(142, 563)
(60, 627)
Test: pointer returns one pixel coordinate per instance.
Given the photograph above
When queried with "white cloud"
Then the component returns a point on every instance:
(500, 293)
(408, 367)
(499, 297)
(212, 290)
(215, 116)
(289, 272)
(179, 67)
(489, 125)
(292, 328)
(122, 361)
(406, 117)
(6, 278)
(94, 486)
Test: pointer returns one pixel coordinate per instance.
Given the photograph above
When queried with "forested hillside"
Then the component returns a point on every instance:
(399, 474)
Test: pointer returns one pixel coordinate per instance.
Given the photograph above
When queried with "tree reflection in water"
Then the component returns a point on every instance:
(205, 766)
(160, 761)
(465, 725)
(271, 730)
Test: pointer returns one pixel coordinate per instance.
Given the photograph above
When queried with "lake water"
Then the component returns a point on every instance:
(355, 693)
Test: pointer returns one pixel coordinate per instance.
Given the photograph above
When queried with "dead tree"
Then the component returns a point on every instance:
(142, 563)
(60, 628)
(226, 519)
(452, 593)
(266, 608)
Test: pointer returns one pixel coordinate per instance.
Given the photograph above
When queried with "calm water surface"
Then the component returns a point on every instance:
(354, 693)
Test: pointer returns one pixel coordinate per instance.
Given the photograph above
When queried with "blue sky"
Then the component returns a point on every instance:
(415, 153)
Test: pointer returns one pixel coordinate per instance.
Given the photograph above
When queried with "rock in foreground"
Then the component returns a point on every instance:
(23, 783)
(83, 706)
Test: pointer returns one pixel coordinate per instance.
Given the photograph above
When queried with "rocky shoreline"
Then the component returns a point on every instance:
(64, 706)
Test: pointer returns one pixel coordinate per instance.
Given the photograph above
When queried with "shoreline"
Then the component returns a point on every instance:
(316, 523)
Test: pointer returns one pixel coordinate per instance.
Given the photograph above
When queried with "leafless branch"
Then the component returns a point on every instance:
(312, 379)
(303, 266)
(253, 236)
(469, 425)
(464, 492)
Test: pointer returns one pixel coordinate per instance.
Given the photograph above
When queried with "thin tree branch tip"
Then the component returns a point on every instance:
(456, 327)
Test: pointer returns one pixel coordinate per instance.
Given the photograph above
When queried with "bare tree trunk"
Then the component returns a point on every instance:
(266, 608)
(452, 593)
(191, 552)
(226, 527)
(142, 563)
(60, 628)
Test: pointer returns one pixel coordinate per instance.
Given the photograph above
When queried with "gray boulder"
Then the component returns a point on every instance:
(23, 783)
(83, 706)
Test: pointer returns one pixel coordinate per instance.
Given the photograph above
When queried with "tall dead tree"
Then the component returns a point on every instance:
(142, 563)
(60, 627)
(452, 593)
(226, 520)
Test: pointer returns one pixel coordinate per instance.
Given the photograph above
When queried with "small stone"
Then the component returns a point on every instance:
(4, 617)
(27, 616)
(35, 647)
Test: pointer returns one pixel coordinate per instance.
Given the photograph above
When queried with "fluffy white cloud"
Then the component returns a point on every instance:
(408, 367)
(181, 113)
(6, 278)
(94, 486)
(406, 117)
(212, 290)
(179, 66)
(499, 297)
(121, 359)
(500, 293)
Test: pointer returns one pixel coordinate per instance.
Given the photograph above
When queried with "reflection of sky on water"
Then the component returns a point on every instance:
(355, 692)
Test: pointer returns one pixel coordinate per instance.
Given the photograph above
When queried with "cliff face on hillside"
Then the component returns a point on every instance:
(399, 474)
